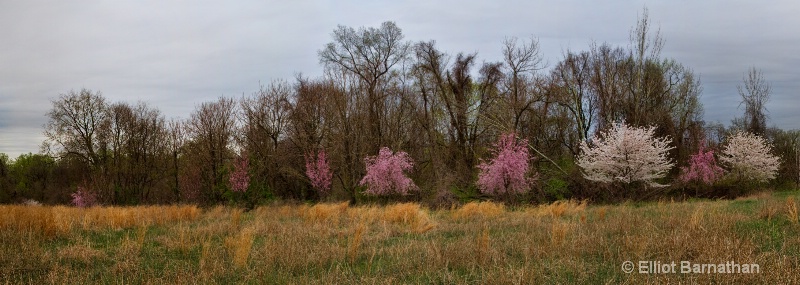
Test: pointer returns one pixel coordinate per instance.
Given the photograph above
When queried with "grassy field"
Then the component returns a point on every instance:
(565, 242)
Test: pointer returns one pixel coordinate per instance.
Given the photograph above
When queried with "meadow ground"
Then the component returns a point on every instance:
(564, 242)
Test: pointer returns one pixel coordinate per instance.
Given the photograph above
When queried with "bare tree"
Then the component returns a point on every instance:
(137, 143)
(646, 50)
(176, 138)
(74, 126)
(266, 116)
(455, 105)
(146, 150)
(572, 91)
(755, 94)
(370, 54)
(211, 127)
(521, 61)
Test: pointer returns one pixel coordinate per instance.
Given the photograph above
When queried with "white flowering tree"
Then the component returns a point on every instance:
(747, 157)
(626, 154)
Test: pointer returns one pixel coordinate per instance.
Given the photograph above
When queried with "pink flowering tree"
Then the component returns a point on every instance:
(702, 168)
(626, 154)
(319, 172)
(240, 178)
(386, 173)
(83, 198)
(509, 171)
(748, 157)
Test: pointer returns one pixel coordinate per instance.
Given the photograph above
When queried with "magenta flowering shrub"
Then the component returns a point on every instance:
(83, 198)
(508, 171)
(702, 168)
(385, 173)
(239, 178)
(319, 172)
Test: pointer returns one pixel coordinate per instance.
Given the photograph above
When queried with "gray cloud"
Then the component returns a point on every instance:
(177, 54)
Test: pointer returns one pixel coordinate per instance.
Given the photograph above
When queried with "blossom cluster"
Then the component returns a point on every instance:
(319, 172)
(385, 173)
(239, 178)
(83, 198)
(508, 171)
(748, 157)
(702, 167)
(626, 154)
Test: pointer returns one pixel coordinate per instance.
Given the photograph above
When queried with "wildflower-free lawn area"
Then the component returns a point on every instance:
(564, 242)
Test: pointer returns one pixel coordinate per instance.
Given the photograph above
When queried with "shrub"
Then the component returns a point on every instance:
(508, 171)
(626, 154)
(748, 158)
(239, 178)
(83, 198)
(319, 172)
(385, 173)
(702, 168)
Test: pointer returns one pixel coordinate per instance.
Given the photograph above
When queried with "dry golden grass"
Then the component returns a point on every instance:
(566, 242)
(558, 209)
(236, 219)
(355, 242)
(697, 218)
(81, 252)
(558, 233)
(60, 220)
(325, 212)
(768, 211)
(479, 210)
(204, 255)
(601, 213)
(410, 215)
(482, 244)
(791, 210)
(240, 247)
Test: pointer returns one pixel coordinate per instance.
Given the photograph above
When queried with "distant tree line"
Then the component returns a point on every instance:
(445, 110)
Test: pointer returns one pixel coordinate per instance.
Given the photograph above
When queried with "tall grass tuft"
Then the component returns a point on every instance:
(791, 210)
(241, 246)
(559, 208)
(601, 213)
(482, 245)
(325, 212)
(183, 238)
(767, 211)
(205, 255)
(410, 215)
(141, 234)
(355, 242)
(236, 219)
(695, 221)
(558, 233)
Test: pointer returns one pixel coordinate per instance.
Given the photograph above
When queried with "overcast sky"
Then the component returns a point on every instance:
(176, 54)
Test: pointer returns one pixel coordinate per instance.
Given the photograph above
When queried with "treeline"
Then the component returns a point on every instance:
(379, 90)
